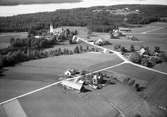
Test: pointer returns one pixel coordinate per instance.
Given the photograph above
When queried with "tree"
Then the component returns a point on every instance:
(135, 57)
(59, 51)
(157, 49)
(12, 42)
(75, 32)
(123, 49)
(132, 48)
(76, 50)
(111, 34)
(81, 48)
(117, 46)
(163, 56)
(145, 62)
(1, 61)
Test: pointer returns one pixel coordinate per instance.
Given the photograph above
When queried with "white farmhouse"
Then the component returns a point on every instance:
(70, 72)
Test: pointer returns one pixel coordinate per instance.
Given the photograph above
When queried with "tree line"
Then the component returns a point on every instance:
(15, 56)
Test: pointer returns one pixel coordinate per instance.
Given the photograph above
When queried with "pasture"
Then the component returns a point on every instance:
(64, 103)
(12, 88)
(156, 89)
(57, 65)
(161, 67)
(33, 74)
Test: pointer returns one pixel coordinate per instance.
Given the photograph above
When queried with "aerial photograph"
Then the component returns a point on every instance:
(83, 58)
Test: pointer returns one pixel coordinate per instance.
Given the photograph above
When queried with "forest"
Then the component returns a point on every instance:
(100, 22)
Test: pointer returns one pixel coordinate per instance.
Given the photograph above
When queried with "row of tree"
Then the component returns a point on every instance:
(20, 55)
(32, 43)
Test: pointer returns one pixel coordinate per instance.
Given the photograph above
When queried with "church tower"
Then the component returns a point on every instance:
(51, 29)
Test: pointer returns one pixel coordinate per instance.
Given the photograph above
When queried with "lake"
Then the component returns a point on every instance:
(34, 8)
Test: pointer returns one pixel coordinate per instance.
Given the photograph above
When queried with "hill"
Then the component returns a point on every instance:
(99, 21)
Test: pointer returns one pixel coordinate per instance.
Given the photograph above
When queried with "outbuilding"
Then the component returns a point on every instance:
(73, 85)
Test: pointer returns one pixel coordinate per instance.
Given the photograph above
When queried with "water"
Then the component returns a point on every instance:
(34, 8)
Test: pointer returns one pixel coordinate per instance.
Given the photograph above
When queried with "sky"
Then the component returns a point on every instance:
(34, 8)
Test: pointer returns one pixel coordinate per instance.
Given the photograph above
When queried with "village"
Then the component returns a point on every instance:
(103, 61)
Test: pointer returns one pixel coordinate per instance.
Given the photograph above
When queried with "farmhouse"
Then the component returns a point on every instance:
(70, 72)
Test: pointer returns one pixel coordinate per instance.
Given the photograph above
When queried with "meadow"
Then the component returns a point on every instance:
(156, 89)
(33, 74)
(57, 101)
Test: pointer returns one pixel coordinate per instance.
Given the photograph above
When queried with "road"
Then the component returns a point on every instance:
(90, 43)
(123, 58)
(53, 84)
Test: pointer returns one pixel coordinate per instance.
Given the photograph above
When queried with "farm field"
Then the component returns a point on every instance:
(136, 72)
(128, 101)
(57, 101)
(156, 89)
(65, 103)
(58, 64)
(44, 71)
(161, 67)
(12, 88)
(5, 38)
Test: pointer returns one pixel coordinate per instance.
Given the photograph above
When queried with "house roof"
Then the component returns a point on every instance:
(72, 84)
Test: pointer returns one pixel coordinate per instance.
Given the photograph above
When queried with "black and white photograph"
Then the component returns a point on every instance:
(83, 58)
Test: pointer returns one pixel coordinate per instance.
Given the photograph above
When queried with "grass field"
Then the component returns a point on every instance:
(57, 65)
(5, 38)
(48, 70)
(62, 103)
(161, 67)
(12, 88)
(156, 88)
(65, 103)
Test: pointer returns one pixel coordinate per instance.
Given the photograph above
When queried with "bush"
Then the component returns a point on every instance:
(1, 61)
(132, 48)
(135, 57)
(145, 62)
(117, 47)
(163, 57)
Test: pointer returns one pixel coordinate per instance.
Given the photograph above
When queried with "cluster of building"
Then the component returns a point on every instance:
(123, 11)
(56, 32)
(116, 33)
(81, 82)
